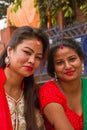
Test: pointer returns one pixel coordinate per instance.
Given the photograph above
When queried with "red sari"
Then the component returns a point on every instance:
(5, 118)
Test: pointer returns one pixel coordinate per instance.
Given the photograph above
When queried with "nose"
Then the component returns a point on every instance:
(31, 59)
(67, 65)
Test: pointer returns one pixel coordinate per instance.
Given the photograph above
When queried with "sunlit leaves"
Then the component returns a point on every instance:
(16, 5)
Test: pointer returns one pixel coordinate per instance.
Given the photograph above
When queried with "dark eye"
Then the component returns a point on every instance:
(27, 52)
(59, 62)
(72, 59)
(39, 58)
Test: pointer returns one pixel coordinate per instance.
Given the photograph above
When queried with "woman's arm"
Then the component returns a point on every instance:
(56, 116)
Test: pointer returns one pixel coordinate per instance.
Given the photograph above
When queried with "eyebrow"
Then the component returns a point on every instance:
(29, 49)
(67, 57)
(32, 50)
(72, 56)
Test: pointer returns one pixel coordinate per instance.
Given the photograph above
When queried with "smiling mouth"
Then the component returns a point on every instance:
(29, 68)
(69, 73)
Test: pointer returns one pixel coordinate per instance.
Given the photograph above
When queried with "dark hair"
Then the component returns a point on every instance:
(70, 43)
(24, 33)
(30, 88)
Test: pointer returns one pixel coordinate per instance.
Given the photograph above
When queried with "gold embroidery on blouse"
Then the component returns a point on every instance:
(17, 112)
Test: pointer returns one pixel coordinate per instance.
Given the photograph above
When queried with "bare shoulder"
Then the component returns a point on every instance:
(57, 117)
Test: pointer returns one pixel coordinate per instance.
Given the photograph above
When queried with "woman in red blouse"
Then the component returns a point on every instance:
(60, 99)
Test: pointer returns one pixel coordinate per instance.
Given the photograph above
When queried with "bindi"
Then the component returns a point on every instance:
(61, 46)
(38, 41)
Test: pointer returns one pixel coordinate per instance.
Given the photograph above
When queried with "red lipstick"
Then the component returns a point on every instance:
(29, 68)
(69, 73)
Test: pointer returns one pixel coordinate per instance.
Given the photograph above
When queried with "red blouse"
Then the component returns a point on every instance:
(49, 93)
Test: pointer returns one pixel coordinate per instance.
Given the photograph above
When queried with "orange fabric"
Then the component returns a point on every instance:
(26, 15)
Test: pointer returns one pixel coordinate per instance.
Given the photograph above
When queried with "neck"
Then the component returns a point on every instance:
(70, 88)
(13, 83)
(12, 78)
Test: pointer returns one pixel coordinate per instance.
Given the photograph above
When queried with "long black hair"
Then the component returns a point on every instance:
(31, 100)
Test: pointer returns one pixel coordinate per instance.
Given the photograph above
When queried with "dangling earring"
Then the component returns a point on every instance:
(7, 61)
(56, 78)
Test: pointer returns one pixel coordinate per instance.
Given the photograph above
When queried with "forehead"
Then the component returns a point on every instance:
(64, 52)
(33, 43)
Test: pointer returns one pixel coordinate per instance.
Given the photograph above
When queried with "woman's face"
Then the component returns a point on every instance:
(67, 64)
(25, 59)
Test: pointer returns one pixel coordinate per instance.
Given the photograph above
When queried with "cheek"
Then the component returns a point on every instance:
(58, 70)
(80, 68)
(79, 64)
(37, 64)
(58, 67)
(18, 58)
